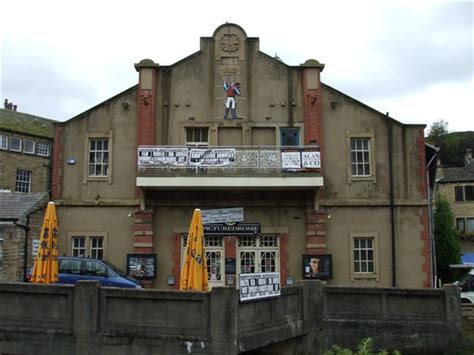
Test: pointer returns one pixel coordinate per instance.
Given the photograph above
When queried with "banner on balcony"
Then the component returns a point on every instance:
(211, 157)
(163, 156)
(299, 160)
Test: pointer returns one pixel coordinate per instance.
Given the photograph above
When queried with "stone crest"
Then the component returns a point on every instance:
(230, 43)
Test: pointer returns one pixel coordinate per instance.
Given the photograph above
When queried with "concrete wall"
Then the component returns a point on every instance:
(307, 318)
(468, 325)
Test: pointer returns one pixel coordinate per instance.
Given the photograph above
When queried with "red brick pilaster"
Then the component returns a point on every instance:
(315, 231)
(146, 101)
(143, 232)
(230, 251)
(57, 155)
(426, 266)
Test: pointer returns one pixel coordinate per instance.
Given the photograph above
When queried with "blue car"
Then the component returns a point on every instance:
(73, 269)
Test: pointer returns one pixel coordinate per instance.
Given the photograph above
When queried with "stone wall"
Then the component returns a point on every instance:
(306, 318)
(468, 325)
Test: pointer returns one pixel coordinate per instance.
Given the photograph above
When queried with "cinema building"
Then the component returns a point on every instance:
(294, 169)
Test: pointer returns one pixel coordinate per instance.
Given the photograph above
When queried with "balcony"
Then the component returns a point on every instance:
(254, 167)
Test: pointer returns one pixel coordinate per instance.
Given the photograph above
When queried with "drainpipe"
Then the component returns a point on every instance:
(392, 204)
(431, 221)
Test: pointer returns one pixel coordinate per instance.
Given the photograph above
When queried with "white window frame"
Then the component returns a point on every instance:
(42, 148)
(12, 139)
(257, 248)
(33, 146)
(3, 142)
(88, 245)
(98, 136)
(375, 275)
(193, 142)
(371, 150)
(23, 179)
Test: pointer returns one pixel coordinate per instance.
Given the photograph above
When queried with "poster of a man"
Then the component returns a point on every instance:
(317, 267)
(231, 90)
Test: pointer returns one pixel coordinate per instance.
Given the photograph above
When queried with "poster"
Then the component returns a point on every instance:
(317, 267)
(259, 285)
(141, 266)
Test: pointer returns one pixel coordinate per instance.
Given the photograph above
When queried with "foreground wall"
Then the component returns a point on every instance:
(307, 318)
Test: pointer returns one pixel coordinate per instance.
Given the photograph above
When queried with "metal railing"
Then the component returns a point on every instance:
(242, 158)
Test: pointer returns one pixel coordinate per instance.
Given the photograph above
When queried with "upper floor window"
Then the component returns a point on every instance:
(99, 157)
(290, 136)
(29, 146)
(3, 141)
(42, 148)
(197, 136)
(464, 193)
(15, 144)
(23, 181)
(360, 157)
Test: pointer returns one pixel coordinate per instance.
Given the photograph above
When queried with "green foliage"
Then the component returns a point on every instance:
(364, 348)
(446, 240)
(452, 145)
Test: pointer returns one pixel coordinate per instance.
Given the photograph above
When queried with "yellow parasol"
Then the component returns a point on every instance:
(45, 269)
(194, 271)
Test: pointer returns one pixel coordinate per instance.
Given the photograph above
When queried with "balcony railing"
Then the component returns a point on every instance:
(158, 160)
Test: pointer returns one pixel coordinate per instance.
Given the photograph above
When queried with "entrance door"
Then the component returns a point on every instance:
(258, 254)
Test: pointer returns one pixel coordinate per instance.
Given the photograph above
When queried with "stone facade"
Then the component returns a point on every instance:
(281, 111)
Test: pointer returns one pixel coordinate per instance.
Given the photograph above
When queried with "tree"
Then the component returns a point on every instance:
(446, 240)
(438, 131)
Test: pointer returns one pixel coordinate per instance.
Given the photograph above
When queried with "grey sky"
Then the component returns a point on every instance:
(414, 60)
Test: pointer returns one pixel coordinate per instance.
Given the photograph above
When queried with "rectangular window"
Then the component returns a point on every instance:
(79, 246)
(96, 247)
(360, 157)
(197, 136)
(470, 225)
(458, 193)
(464, 193)
(460, 225)
(29, 146)
(23, 181)
(469, 193)
(42, 148)
(289, 136)
(3, 141)
(98, 157)
(15, 144)
(363, 255)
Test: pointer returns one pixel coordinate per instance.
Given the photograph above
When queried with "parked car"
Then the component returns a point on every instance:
(73, 269)
(467, 287)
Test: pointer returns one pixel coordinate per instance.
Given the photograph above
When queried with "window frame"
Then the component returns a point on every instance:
(4, 142)
(88, 237)
(375, 275)
(29, 182)
(460, 191)
(87, 139)
(372, 157)
(20, 141)
(33, 150)
(38, 148)
(194, 143)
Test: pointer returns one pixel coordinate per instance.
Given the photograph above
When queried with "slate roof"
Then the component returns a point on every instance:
(15, 205)
(25, 123)
(463, 174)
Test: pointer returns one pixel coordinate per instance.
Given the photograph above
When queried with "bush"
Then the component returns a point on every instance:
(364, 348)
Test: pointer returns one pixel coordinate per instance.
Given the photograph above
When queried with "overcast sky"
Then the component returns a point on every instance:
(411, 59)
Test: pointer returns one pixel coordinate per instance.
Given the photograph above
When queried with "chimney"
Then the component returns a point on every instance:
(14, 107)
(10, 106)
(468, 157)
(5, 104)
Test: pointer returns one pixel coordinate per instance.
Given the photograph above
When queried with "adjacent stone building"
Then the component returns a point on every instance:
(311, 174)
(457, 185)
(26, 143)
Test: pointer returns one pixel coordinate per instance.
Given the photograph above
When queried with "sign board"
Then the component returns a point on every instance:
(35, 247)
(230, 266)
(311, 160)
(299, 160)
(235, 229)
(211, 157)
(223, 215)
(163, 156)
(259, 285)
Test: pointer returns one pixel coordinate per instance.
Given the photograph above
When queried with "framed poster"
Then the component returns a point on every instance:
(141, 266)
(317, 267)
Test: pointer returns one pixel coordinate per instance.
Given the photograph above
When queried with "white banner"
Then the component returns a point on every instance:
(223, 215)
(311, 160)
(211, 157)
(163, 156)
(259, 285)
